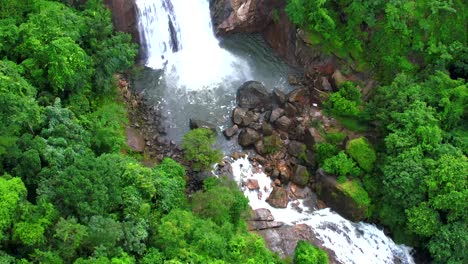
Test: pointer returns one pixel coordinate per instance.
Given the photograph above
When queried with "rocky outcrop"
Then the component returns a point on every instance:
(248, 137)
(135, 140)
(283, 240)
(278, 198)
(124, 16)
(196, 123)
(230, 16)
(262, 219)
(336, 198)
(253, 94)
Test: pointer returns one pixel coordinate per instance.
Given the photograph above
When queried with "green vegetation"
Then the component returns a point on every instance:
(354, 189)
(417, 174)
(341, 165)
(272, 143)
(387, 36)
(197, 145)
(68, 193)
(362, 152)
(346, 102)
(305, 253)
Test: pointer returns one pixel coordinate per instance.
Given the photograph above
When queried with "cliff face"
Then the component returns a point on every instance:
(269, 18)
(124, 16)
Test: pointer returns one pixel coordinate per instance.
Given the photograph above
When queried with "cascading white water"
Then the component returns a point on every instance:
(177, 35)
(352, 242)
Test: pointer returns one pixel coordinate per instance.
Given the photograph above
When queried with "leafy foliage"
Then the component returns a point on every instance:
(197, 148)
(341, 165)
(305, 253)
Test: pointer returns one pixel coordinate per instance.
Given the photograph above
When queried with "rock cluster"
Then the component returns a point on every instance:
(277, 126)
(145, 132)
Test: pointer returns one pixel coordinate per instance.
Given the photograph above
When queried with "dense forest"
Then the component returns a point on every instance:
(417, 50)
(71, 191)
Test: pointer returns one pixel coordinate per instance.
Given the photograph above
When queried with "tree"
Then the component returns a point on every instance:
(341, 165)
(305, 253)
(197, 145)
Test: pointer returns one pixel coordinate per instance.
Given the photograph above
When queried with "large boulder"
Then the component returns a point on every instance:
(341, 197)
(296, 149)
(278, 198)
(301, 176)
(253, 94)
(230, 132)
(245, 16)
(283, 123)
(261, 225)
(195, 123)
(248, 137)
(261, 214)
(238, 115)
(275, 114)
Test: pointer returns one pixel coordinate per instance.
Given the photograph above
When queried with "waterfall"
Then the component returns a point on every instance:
(177, 35)
(351, 242)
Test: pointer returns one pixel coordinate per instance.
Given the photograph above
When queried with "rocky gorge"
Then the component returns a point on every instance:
(278, 130)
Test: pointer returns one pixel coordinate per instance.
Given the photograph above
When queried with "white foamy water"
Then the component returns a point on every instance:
(352, 242)
(195, 61)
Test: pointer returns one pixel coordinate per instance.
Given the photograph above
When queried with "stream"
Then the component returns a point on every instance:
(190, 73)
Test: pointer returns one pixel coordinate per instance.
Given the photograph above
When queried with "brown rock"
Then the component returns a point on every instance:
(279, 96)
(283, 123)
(252, 184)
(261, 225)
(230, 132)
(248, 137)
(326, 86)
(321, 205)
(338, 78)
(275, 114)
(278, 198)
(124, 17)
(267, 129)
(261, 214)
(301, 176)
(238, 115)
(135, 139)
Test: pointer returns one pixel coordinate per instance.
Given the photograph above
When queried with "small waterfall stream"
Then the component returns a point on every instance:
(199, 80)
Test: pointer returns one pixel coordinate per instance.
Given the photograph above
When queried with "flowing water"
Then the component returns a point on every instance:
(191, 74)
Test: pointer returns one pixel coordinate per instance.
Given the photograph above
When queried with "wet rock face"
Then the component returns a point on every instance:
(232, 16)
(253, 94)
(333, 195)
(135, 140)
(195, 123)
(278, 198)
(248, 137)
(124, 16)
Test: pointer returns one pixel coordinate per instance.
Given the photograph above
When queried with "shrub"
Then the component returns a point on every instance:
(197, 148)
(324, 151)
(362, 152)
(341, 165)
(346, 102)
(306, 253)
(335, 137)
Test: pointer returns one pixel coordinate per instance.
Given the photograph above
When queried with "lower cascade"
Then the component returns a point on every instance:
(350, 242)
